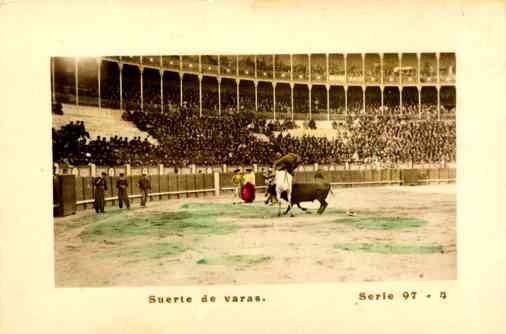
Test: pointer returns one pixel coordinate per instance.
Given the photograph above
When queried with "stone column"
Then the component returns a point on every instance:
(419, 88)
(382, 97)
(99, 65)
(200, 94)
(438, 102)
(274, 99)
(141, 70)
(345, 100)
(120, 66)
(363, 97)
(400, 99)
(291, 96)
(256, 95)
(309, 87)
(237, 82)
(219, 95)
(328, 99)
(181, 89)
(76, 79)
(161, 88)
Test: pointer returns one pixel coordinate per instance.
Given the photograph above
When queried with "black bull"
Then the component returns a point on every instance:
(305, 192)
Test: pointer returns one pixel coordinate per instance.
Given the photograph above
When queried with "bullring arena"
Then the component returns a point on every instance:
(210, 241)
(396, 233)
(380, 128)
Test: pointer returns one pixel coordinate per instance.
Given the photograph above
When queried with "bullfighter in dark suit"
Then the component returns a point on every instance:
(100, 186)
(122, 186)
(145, 187)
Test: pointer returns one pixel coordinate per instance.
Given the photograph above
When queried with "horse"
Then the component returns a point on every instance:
(283, 182)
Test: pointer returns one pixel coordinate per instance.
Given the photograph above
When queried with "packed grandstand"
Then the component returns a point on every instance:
(243, 110)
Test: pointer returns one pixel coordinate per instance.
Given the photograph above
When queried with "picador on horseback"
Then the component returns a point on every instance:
(288, 162)
(295, 193)
(283, 179)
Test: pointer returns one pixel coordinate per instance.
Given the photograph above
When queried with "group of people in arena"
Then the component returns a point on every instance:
(244, 180)
(100, 187)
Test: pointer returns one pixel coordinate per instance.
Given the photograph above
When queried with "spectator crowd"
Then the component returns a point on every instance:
(185, 138)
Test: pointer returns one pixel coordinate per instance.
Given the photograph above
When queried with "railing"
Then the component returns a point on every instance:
(92, 170)
(209, 65)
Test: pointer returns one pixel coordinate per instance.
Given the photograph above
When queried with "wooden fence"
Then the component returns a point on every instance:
(80, 193)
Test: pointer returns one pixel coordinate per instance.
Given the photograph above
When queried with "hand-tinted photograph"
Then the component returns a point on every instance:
(254, 169)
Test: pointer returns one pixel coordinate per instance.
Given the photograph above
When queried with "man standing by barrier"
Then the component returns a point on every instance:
(145, 187)
(100, 186)
(122, 186)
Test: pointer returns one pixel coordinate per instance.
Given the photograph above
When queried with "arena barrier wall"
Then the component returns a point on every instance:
(71, 193)
(64, 192)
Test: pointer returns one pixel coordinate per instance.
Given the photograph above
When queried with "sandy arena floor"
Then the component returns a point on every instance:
(262, 248)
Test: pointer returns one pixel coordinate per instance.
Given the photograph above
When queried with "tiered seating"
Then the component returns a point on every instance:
(186, 138)
(105, 122)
